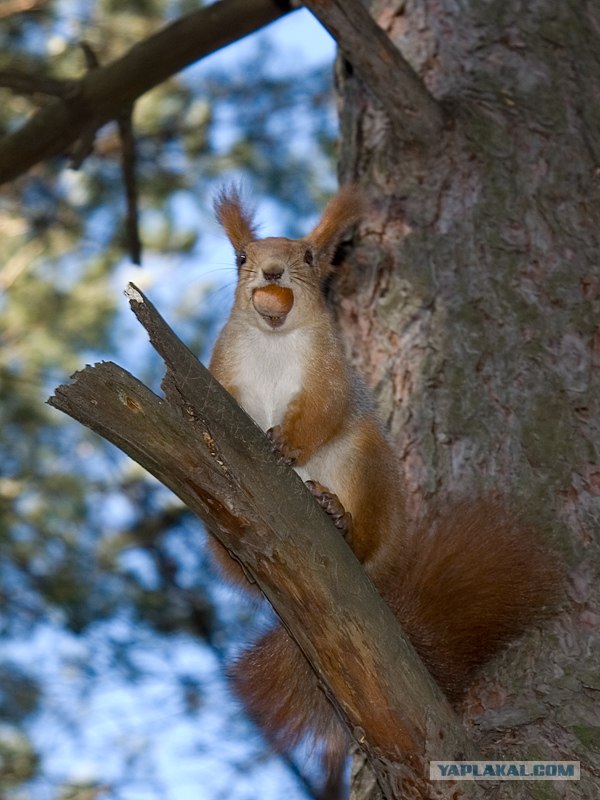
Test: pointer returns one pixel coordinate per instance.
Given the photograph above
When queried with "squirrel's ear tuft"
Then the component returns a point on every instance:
(341, 212)
(236, 219)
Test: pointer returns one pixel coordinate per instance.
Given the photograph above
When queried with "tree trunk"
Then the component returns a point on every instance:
(472, 304)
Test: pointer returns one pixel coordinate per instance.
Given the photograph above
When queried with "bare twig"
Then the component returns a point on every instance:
(125, 126)
(84, 146)
(130, 185)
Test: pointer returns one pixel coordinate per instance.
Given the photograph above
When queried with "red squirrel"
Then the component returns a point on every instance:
(462, 584)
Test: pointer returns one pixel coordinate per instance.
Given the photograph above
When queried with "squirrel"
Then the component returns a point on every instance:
(462, 583)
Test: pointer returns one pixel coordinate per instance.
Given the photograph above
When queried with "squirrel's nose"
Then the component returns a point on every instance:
(272, 273)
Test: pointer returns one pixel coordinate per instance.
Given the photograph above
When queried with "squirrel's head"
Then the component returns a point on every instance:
(280, 280)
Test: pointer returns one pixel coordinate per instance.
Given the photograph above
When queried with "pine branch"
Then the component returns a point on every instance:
(199, 443)
(412, 110)
(103, 94)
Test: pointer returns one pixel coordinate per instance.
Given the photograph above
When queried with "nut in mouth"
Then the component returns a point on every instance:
(273, 303)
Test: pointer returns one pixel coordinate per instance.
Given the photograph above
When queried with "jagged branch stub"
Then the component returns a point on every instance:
(200, 443)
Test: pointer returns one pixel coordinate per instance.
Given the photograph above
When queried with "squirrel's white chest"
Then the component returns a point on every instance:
(270, 371)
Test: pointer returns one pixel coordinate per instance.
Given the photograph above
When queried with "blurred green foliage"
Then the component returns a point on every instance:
(87, 540)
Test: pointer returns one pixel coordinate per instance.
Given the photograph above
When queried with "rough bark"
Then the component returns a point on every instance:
(105, 93)
(201, 444)
(473, 304)
(412, 111)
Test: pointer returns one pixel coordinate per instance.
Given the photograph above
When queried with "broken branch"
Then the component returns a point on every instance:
(200, 444)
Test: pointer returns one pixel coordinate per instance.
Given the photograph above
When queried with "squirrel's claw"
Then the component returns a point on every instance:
(332, 505)
(286, 454)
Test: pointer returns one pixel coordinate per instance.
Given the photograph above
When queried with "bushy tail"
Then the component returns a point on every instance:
(281, 693)
(473, 580)
(467, 583)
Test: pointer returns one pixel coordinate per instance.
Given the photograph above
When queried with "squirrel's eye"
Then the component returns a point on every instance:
(309, 258)
(241, 258)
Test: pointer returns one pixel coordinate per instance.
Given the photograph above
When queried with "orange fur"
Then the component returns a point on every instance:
(317, 413)
(462, 587)
(474, 577)
(289, 703)
(342, 211)
(462, 583)
(237, 221)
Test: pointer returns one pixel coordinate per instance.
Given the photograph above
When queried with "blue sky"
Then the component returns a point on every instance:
(97, 731)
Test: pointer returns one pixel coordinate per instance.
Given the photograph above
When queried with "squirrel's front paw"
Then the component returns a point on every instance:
(286, 454)
(331, 503)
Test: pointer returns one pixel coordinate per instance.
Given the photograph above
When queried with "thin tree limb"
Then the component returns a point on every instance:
(199, 443)
(84, 146)
(134, 243)
(412, 110)
(103, 94)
